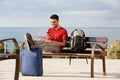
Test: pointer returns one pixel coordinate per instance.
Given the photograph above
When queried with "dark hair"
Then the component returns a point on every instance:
(54, 16)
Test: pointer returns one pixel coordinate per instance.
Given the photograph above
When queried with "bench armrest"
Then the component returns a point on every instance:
(15, 43)
(93, 49)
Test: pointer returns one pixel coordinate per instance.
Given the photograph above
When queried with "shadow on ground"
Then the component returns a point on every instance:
(83, 75)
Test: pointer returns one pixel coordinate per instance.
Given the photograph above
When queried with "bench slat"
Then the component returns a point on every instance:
(90, 41)
(90, 45)
(86, 54)
(96, 39)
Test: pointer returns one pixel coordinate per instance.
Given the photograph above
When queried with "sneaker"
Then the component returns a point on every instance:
(28, 41)
(26, 45)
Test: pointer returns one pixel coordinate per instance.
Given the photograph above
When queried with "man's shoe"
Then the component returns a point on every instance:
(29, 41)
(26, 45)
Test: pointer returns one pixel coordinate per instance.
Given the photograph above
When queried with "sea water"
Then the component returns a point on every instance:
(18, 32)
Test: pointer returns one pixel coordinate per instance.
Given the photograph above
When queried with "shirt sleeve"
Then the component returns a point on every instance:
(49, 30)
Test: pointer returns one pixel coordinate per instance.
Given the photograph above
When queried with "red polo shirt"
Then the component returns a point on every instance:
(59, 35)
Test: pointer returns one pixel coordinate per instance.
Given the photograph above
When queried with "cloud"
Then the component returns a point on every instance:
(115, 4)
(4, 3)
(85, 12)
(35, 12)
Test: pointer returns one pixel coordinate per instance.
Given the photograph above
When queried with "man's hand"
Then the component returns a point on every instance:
(47, 39)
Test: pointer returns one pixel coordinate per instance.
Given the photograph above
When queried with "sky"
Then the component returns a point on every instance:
(72, 13)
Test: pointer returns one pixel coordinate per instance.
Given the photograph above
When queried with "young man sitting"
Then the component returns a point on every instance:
(57, 34)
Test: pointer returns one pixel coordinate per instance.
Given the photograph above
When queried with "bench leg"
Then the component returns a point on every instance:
(16, 77)
(87, 60)
(104, 67)
(92, 67)
(70, 60)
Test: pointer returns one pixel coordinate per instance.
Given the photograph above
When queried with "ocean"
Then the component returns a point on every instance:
(19, 32)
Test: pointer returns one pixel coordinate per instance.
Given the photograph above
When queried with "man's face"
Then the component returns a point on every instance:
(54, 22)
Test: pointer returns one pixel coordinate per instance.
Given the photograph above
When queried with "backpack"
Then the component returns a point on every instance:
(77, 41)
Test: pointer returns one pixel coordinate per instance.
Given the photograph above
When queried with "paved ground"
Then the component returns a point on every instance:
(59, 69)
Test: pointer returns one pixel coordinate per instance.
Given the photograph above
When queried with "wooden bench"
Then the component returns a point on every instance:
(15, 56)
(95, 47)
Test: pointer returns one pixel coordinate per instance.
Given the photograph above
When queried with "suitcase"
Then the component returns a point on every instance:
(31, 62)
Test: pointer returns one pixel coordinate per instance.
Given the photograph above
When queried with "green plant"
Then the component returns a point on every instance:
(114, 50)
(1, 47)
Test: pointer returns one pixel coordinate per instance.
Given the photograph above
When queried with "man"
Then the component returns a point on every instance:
(56, 34)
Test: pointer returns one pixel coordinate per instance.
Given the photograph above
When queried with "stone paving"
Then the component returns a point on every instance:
(59, 69)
